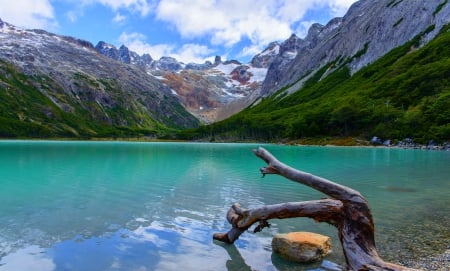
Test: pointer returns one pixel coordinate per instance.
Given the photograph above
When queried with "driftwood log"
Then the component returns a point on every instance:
(347, 210)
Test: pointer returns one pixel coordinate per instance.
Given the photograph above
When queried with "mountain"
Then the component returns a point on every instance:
(124, 55)
(330, 83)
(61, 86)
(210, 91)
(369, 30)
(360, 76)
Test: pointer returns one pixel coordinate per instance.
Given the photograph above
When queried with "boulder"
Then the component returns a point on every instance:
(301, 246)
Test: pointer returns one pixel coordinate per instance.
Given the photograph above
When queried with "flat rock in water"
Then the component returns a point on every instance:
(301, 246)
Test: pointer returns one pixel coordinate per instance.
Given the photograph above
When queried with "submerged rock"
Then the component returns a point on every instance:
(301, 246)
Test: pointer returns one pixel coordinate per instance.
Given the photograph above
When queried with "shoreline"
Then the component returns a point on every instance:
(440, 262)
(335, 142)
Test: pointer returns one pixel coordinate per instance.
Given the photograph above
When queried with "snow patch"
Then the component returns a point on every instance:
(273, 51)
(226, 69)
(259, 74)
(235, 95)
(290, 54)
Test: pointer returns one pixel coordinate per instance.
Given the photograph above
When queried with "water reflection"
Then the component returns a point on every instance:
(186, 244)
(236, 262)
(122, 250)
(28, 258)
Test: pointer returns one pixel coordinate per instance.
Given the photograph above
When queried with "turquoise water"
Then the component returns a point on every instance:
(155, 206)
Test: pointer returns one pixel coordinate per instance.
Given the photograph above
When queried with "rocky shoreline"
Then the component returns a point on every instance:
(440, 262)
(408, 143)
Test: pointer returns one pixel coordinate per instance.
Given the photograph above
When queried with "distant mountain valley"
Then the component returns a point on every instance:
(62, 86)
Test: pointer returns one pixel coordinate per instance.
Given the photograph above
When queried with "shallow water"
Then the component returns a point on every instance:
(155, 206)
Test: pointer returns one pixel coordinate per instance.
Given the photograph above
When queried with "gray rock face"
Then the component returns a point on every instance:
(166, 63)
(108, 50)
(278, 55)
(124, 55)
(266, 57)
(372, 28)
(287, 52)
(199, 67)
(217, 60)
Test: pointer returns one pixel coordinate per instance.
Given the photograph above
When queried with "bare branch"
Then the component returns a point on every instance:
(323, 185)
(326, 210)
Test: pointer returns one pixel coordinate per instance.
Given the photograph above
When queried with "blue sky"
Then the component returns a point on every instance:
(189, 30)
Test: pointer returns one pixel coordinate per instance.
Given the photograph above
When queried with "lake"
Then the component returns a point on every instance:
(154, 206)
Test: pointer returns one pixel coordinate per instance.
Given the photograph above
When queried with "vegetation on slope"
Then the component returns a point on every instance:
(404, 94)
(27, 111)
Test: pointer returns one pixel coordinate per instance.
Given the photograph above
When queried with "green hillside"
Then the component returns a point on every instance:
(406, 93)
(25, 112)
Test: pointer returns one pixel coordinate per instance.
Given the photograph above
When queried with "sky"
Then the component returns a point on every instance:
(189, 30)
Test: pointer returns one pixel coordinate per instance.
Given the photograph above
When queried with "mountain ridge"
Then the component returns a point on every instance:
(115, 87)
(229, 86)
(359, 32)
(404, 95)
(72, 80)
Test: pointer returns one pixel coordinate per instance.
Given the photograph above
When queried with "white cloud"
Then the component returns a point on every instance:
(292, 11)
(119, 18)
(195, 53)
(40, 14)
(136, 42)
(186, 53)
(303, 27)
(144, 7)
(193, 18)
(340, 7)
(217, 23)
(29, 258)
(249, 51)
(228, 22)
(72, 15)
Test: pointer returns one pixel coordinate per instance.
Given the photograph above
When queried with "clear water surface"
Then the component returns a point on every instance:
(155, 206)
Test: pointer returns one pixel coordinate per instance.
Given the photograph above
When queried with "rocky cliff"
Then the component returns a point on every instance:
(368, 31)
(210, 91)
(79, 82)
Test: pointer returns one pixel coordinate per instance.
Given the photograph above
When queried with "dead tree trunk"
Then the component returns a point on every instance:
(347, 210)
